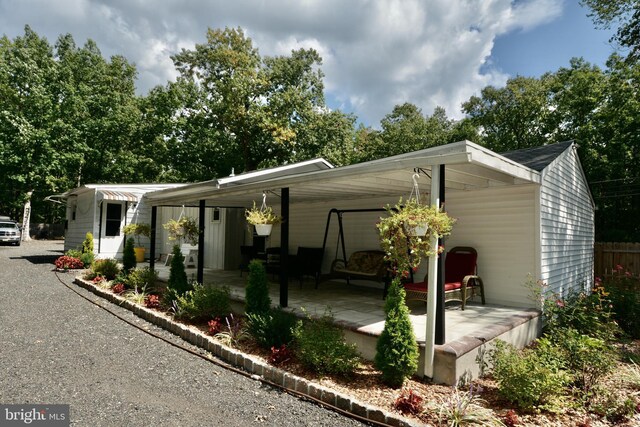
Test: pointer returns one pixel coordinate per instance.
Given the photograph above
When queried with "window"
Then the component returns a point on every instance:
(215, 215)
(114, 216)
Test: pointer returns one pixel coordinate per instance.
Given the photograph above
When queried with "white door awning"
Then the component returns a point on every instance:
(123, 196)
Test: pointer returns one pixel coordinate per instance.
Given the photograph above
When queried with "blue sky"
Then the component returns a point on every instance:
(551, 45)
(376, 53)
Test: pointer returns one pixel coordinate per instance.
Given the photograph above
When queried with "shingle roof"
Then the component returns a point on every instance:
(538, 158)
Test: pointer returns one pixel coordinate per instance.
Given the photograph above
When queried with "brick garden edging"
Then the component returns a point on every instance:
(251, 364)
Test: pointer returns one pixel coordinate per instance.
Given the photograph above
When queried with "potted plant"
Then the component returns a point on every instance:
(138, 230)
(262, 218)
(403, 244)
(184, 228)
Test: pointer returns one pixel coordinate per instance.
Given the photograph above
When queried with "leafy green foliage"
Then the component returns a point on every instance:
(142, 279)
(203, 303)
(624, 13)
(129, 255)
(272, 328)
(320, 346)
(107, 268)
(587, 359)
(396, 349)
(257, 299)
(623, 291)
(529, 378)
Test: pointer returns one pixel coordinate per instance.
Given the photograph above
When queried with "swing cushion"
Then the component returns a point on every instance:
(368, 265)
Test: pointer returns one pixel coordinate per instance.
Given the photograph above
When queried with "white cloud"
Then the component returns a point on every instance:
(376, 53)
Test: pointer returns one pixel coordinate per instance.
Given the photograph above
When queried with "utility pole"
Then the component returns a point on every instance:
(26, 217)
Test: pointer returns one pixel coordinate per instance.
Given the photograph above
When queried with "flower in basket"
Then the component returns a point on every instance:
(264, 215)
(137, 230)
(405, 248)
(184, 228)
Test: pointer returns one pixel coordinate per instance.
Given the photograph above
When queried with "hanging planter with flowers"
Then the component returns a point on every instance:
(262, 218)
(185, 228)
(406, 232)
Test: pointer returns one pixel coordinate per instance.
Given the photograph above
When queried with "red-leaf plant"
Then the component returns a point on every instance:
(408, 402)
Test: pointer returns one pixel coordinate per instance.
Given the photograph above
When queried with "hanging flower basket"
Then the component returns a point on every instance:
(405, 246)
(183, 229)
(262, 218)
(263, 229)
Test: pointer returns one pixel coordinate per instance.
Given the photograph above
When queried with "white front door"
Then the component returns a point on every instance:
(111, 243)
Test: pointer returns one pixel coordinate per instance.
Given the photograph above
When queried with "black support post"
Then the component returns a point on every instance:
(440, 320)
(284, 248)
(201, 213)
(152, 238)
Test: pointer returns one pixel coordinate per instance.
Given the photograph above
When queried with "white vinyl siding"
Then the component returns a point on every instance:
(500, 223)
(567, 226)
(77, 229)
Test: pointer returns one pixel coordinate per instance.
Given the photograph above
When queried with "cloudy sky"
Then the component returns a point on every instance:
(377, 53)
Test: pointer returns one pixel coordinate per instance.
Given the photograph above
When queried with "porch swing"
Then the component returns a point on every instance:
(363, 265)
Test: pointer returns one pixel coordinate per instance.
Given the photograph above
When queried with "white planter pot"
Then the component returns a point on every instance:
(419, 230)
(263, 229)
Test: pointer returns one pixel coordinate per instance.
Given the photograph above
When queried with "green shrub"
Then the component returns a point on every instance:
(626, 308)
(396, 349)
(588, 313)
(107, 268)
(87, 258)
(203, 303)
(87, 244)
(272, 328)
(177, 275)
(74, 253)
(129, 255)
(588, 359)
(143, 279)
(320, 346)
(257, 291)
(529, 378)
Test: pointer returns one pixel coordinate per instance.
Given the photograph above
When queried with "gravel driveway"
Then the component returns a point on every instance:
(56, 347)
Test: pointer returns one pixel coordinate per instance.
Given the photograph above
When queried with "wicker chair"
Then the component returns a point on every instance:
(461, 281)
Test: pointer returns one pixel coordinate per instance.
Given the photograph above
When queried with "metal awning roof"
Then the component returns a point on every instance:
(124, 196)
(468, 166)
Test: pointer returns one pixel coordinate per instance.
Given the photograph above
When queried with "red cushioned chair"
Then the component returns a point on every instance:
(461, 281)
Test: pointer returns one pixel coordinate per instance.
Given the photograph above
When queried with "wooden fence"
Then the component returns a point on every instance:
(607, 256)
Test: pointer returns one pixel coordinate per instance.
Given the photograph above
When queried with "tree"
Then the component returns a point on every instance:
(515, 116)
(626, 14)
(257, 291)
(251, 110)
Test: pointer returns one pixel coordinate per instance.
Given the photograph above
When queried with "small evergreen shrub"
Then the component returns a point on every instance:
(178, 282)
(108, 268)
(87, 244)
(529, 378)
(129, 255)
(257, 290)
(320, 346)
(273, 328)
(87, 250)
(396, 349)
(203, 303)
